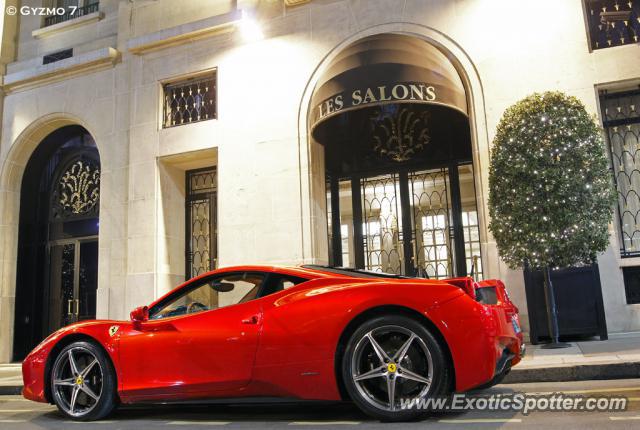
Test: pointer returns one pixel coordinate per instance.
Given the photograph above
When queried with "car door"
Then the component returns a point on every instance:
(197, 342)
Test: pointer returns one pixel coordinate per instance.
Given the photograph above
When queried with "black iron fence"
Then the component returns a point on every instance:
(72, 13)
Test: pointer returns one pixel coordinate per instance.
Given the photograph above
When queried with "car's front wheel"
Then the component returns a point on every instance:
(392, 360)
(83, 383)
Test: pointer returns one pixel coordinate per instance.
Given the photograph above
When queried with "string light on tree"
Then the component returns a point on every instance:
(550, 190)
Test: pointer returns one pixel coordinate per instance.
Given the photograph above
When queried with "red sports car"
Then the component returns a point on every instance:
(311, 332)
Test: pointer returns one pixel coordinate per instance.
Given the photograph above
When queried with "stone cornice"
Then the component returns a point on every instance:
(59, 70)
(184, 33)
(67, 25)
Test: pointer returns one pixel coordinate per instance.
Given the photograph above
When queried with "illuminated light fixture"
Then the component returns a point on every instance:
(249, 28)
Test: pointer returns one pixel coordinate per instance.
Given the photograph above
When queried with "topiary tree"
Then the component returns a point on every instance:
(550, 188)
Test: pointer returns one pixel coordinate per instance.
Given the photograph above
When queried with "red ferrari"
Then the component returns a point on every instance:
(311, 332)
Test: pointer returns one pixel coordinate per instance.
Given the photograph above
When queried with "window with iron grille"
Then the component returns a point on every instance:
(631, 277)
(74, 9)
(201, 221)
(621, 120)
(613, 22)
(57, 56)
(190, 101)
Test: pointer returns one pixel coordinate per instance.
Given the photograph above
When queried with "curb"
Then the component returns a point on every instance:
(574, 373)
(10, 390)
(520, 376)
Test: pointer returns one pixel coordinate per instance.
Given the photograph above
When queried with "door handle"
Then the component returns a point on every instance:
(77, 308)
(252, 320)
(69, 304)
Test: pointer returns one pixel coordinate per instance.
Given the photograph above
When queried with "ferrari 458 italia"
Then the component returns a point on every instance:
(309, 332)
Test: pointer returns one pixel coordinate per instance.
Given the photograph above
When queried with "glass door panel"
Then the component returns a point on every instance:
(200, 239)
(431, 221)
(73, 269)
(340, 223)
(201, 230)
(62, 269)
(87, 280)
(382, 224)
(470, 224)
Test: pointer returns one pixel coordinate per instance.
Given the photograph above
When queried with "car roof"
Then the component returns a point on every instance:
(285, 270)
(310, 271)
(314, 271)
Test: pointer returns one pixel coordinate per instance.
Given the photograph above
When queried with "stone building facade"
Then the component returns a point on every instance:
(267, 191)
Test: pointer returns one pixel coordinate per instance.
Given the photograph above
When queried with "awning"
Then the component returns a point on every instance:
(384, 69)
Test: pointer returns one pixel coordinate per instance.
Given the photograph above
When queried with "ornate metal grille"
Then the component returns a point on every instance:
(190, 101)
(399, 134)
(381, 224)
(431, 220)
(613, 22)
(201, 228)
(78, 190)
(621, 119)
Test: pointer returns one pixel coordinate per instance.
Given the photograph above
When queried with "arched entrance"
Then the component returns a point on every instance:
(58, 237)
(391, 114)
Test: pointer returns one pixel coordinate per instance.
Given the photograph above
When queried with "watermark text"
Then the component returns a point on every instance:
(523, 403)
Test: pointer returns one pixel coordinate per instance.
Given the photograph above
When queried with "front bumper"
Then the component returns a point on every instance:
(33, 376)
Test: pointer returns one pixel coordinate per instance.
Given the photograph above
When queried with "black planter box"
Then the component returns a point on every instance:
(578, 298)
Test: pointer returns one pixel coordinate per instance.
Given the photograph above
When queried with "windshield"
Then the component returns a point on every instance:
(354, 273)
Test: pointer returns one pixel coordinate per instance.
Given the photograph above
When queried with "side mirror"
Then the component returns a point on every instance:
(223, 287)
(139, 314)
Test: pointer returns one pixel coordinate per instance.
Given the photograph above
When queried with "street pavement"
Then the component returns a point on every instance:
(20, 414)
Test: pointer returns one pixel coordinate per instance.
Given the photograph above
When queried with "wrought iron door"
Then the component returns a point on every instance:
(431, 223)
(410, 222)
(382, 237)
(59, 224)
(73, 281)
(201, 225)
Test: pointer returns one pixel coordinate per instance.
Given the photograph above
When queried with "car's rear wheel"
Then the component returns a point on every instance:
(389, 360)
(83, 383)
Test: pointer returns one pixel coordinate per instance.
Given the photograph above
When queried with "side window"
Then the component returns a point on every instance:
(213, 293)
(280, 282)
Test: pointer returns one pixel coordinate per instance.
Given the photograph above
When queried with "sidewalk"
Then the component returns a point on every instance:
(10, 379)
(616, 358)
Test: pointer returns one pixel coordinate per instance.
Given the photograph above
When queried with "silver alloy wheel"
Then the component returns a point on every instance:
(76, 381)
(389, 363)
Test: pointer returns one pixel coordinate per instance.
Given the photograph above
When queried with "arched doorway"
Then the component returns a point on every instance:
(57, 268)
(391, 114)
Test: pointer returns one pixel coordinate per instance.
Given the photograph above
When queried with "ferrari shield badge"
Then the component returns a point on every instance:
(113, 329)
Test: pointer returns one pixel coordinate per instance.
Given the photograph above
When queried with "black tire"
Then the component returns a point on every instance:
(368, 393)
(99, 380)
